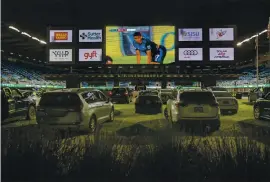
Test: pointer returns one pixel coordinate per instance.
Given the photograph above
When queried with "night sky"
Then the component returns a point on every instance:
(34, 16)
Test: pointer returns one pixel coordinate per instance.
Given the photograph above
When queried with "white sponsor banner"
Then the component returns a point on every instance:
(60, 55)
(221, 54)
(60, 35)
(221, 34)
(190, 34)
(190, 54)
(90, 54)
(90, 35)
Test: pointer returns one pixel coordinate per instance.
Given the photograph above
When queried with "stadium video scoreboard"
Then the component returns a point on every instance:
(120, 45)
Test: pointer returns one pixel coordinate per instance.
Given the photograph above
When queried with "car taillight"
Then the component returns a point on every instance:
(126, 93)
(110, 93)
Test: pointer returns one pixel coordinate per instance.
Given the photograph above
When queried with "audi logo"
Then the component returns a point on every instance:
(191, 52)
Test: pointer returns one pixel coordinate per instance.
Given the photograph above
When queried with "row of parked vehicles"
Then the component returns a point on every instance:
(85, 108)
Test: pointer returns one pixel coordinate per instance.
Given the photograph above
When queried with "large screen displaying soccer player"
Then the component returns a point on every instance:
(140, 44)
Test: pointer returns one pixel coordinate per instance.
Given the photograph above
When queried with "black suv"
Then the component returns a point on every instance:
(15, 106)
(123, 95)
(262, 108)
(148, 102)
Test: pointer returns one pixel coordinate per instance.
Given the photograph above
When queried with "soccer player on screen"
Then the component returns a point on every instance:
(155, 53)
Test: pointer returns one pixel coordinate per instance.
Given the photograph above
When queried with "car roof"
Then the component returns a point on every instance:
(220, 91)
(73, 90)
(196, 91)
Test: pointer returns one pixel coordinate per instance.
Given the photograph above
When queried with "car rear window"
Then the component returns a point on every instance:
(148, 97)
(60, 99)
(118, 90)
(197, 97)
(222, 94)
(149, 93)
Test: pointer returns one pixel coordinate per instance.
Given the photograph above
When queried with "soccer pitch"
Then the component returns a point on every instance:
(132, 59)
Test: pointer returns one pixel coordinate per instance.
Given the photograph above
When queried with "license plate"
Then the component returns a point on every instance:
(118, 94)
(226, 102)
(198, 109)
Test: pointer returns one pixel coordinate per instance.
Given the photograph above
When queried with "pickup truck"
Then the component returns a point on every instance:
(16, 106)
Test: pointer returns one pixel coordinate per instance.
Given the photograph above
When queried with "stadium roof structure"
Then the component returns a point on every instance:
(17, 44)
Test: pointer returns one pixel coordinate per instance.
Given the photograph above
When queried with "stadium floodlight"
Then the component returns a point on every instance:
(252, 37)
(24, 33)
(13, 28)
(35, 38)
(42, 42)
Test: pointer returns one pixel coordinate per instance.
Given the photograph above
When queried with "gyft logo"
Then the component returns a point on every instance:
(60, 35)
(60, 55)
(194, 34)
(90, 55)
(190, 54)
(90, 35)
(221, 54)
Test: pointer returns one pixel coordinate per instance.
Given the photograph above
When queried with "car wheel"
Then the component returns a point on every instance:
(31, 113)
(92, 124)
(111, 115)
(256, 112)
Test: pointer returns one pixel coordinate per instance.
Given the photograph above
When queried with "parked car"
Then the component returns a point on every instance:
(261, 108)
(74, 109)
(148, 102)
(31, 95)
(118, 94)
(194, 108)
(166, 94)
(255, 94)
(227, 103)
(15, 106)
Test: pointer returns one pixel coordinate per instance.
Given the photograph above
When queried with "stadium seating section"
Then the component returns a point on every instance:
(18, 73)
(249, 77)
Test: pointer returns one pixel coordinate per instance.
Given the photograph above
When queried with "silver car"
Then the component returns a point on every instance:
(194, 108)
(74, 109)
(227, 103)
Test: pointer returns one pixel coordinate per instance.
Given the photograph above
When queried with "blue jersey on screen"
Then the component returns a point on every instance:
(146, 45)
(158, 52)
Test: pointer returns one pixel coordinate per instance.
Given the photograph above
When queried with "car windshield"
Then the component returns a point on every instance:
(222, 94)
(59, 99)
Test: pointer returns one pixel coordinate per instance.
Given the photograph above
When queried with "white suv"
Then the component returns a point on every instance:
(193, 108)
(74, 109)
(227, 103)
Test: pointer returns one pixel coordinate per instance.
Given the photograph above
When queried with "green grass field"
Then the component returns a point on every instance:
(132, 60)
